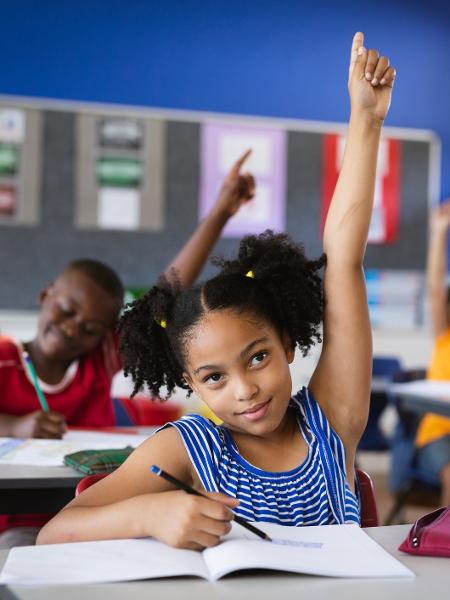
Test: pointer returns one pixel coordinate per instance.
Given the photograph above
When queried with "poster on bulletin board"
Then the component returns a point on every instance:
(384, 225)
(221, 146)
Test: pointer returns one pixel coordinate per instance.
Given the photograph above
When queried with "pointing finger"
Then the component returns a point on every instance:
(238, 164)
(357, 43)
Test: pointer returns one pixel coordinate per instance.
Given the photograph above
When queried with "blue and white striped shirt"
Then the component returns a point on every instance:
(314, 493)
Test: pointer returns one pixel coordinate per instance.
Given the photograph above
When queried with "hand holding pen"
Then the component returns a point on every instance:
(43, 423)
(219, 499)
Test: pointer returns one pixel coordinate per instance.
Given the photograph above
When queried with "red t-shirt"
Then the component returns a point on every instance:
(83, 396)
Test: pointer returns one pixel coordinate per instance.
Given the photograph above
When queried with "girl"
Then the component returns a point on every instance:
(284, 459)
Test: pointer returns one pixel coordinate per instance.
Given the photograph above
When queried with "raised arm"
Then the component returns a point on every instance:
(341, 381)
(437, 268)
(236, 190)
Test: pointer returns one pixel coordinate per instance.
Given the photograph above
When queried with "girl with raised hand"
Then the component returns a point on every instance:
(276, 457)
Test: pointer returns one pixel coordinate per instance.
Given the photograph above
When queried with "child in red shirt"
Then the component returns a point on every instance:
(75, 351)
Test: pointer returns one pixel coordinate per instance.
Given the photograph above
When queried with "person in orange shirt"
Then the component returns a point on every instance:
(433, 435)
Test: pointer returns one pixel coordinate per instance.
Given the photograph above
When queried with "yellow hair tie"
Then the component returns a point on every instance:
(250, 274)
(163, 323)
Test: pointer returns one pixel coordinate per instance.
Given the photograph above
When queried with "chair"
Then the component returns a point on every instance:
(369, 512)
(145, 411)
(406, 482)
(87, 481)
(384, 369)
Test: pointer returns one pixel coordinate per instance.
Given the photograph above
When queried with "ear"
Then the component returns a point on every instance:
(189, 381)
(44, 293)
(289, 348)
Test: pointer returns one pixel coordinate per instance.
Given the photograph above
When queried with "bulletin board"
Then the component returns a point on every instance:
(65, 195)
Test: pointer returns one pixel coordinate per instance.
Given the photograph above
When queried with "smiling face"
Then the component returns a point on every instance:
(75, 315)
(239, 366)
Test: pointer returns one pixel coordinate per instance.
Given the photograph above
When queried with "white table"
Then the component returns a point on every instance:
(26, 489)
(33, 489)
(432, 582)
(423, 396)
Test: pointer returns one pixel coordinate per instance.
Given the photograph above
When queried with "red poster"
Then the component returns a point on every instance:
(386, 211)
(7, 201)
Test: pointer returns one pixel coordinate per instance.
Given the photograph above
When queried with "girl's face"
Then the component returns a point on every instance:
(239, 366)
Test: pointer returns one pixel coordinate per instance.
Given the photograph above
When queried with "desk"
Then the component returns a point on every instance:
(32, 489)
(423, 396)
(26, 489)
(432, 581)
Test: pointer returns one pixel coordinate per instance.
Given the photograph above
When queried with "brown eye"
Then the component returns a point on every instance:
(213, 378)
(258, 358)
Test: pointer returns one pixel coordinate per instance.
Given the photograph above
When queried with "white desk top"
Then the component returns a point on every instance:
(423, 396)
(432, 581)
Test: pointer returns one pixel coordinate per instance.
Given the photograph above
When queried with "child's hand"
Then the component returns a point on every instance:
(40, 424)
(187, 521)
(237, 188)
(440, 217)
(371, 79)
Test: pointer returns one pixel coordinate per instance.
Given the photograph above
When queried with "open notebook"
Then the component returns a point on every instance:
(336, 551)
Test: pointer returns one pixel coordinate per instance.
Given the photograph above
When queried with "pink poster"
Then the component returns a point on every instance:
(221, 146)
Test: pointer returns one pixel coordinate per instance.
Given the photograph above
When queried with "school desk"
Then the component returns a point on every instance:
(432, 581)
(39, 489)
(26, 489)
(422, 396)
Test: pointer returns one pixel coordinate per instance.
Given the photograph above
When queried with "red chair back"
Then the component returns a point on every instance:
(369, 511)
(87, 481)
(146, 411)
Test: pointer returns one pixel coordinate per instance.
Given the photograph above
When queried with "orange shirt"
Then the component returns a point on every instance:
(433, 427)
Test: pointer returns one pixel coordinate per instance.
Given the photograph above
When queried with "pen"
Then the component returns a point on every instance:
(37, 387)
(182, 486)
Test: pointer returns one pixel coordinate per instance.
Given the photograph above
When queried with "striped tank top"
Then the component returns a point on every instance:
(314, 493)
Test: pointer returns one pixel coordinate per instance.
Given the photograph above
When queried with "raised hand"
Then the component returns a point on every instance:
(371, 79)
(440, 217)
(237, 188)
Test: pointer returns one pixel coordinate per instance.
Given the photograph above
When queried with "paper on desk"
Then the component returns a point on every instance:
(335, 550)
(50, 453)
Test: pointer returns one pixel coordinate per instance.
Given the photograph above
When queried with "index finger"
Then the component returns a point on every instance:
(215, 510)
(357, 43)
(238, 164)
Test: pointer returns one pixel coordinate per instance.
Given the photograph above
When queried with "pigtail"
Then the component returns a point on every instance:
(292, 282)
(144, 340)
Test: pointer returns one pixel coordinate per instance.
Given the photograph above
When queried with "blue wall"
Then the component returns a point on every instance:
(274, 58)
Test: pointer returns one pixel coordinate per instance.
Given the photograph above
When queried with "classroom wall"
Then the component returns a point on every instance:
(31, 257)
(283, 58)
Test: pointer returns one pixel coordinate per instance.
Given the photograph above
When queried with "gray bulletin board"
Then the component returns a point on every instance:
(31, 256)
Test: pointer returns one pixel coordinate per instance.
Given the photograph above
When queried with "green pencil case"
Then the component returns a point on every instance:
(91, 462)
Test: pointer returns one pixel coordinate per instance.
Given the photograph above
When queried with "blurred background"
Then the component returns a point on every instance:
(160, 72)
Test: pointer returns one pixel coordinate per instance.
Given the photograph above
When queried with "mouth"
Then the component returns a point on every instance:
(59, 339)
(254, 413)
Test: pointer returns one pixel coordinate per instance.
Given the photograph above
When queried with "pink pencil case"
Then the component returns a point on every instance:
(430, 535)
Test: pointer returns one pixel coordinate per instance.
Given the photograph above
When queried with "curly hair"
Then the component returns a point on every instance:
(285, 291)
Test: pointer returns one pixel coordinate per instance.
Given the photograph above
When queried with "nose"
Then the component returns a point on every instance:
(246, 389)
(70, 328)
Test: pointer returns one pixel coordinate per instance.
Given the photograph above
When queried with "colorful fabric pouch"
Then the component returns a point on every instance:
(91, 462)
(430, 535)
